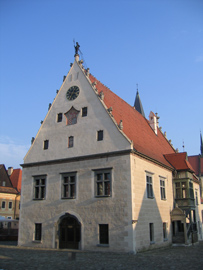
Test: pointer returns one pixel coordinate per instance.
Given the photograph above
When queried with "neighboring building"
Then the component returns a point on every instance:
(96, 176)
(9, 195)
(186, 216)
(197, 163)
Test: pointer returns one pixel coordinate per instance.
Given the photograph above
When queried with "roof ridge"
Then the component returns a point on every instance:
(113, 92)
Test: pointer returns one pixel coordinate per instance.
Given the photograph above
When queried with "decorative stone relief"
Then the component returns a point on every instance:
(71, 116)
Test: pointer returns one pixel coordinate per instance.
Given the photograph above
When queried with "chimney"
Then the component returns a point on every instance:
(153, 122)
(10, 170)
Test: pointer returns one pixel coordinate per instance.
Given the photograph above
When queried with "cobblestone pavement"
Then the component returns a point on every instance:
(13, 257)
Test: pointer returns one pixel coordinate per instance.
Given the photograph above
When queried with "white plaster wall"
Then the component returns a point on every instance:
(147, 210)
(198, 210)
(84, 132)
(115, 210)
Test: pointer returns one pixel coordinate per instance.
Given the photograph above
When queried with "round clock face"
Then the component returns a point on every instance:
(72, 93)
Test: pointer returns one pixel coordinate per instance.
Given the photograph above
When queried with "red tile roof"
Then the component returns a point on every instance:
(135, 126)
(16, 178)
(194, 161)
(179, 161)
(8, 190)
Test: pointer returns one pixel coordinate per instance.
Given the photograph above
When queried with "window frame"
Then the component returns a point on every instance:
(181, 190)
(10, 203)
(162, 182)
(38, 232)
(70, 141)
(84, 111)
(39, 187)
(46, 144)
(100, 135)
(72, 186)
(151, 233)
(104, 234)
(59, 117)
(105, 183)
(3, 202)
(165, 234)
(149, 186)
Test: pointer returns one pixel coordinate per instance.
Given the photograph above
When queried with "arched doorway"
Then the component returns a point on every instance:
(69, 232)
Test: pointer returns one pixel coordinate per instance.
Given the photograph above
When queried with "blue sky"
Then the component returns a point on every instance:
(155, 44)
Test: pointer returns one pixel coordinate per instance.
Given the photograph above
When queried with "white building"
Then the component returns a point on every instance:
(95, 177)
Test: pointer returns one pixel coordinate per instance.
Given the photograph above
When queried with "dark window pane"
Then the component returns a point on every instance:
(84, 111)
(100, 135)
(46, 144)
(99, 189)
(70, 141)
(59, 117)
(103, 233)
(38, 231)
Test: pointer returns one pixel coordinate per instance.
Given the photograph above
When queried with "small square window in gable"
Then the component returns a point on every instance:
(100, 135)
(71, 116)
(59, 117)
(46, 144)
(84, 111)
(70, 141)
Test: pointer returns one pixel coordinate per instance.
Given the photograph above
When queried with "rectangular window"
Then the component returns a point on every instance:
(191, 190)
(3, 205)
(164, 231)
(103, 183)
(84, 111)
(162, 189)
(196, 197)
(46, 144)
(70, 141)
(69, 186)
(104, 234)
(100, 135)
(39, 187)
(38, 231)
(10, 204)
(181, 190)
(149, 187)
(59, 117)
(151, 232)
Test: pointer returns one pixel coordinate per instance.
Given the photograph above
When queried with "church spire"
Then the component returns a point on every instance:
(201, 144)
(138, 104)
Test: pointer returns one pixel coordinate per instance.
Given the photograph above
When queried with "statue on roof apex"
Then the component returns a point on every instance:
(77, 48)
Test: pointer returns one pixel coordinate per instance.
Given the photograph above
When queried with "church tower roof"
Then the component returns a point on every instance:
(138, 104)
(201, 144)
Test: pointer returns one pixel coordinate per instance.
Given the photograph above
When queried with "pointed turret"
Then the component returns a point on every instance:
(138, 104)
(201, 145)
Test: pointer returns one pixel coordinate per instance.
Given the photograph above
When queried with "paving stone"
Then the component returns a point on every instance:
(13, 257)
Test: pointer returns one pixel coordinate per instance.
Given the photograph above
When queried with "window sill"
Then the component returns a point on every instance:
(40, 199)
(103, 245)
(102, 196)
(163, 199)
(68, 198)
(150, 198)
(166, 239)
(152, 243)
(37, 241)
